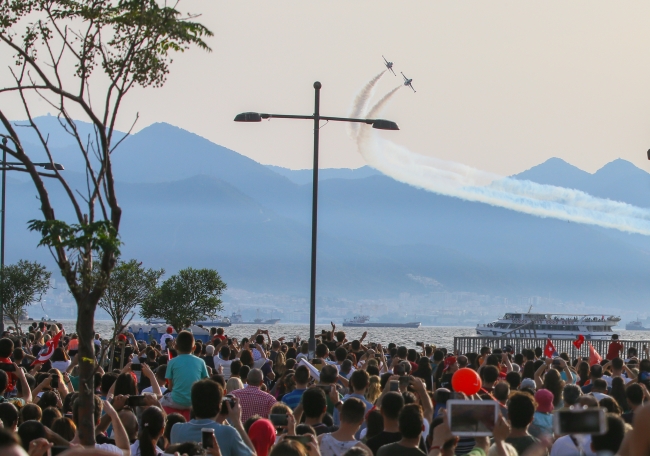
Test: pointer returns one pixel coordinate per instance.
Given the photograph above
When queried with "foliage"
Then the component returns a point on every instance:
(192, 294)
(82, 58)
(130, 286)
(21, 285)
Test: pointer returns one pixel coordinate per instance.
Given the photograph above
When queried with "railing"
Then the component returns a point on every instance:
(474, 344)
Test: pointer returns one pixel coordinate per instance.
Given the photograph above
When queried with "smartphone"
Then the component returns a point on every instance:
(472, 418)
(304, 439)
(326, 388)
(136, 367)
(206, 437)
(136, 401)
(404, 381)
(55, 450)
(7, 367)
(580, 421)
(279, 419)
(229, 341)
(394, 385)
(54, 381)
(224, 407)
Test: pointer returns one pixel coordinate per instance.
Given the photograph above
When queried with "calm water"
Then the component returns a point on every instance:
(441, 336)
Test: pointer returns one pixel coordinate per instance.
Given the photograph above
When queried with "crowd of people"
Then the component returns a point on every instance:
(268, 396)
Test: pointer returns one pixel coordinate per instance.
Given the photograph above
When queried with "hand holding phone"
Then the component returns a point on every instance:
(279, 419)
(136, 401)
(207, 438)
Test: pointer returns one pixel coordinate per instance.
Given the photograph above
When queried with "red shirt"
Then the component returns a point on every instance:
(12, 379)
(221, 338)
(614, 349)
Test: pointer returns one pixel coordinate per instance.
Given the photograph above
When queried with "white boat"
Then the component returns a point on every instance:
(551, 325)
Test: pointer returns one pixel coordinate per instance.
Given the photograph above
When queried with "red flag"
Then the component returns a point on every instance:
(549, 349)
(594, 357)
(169, 355)
(579, 341)
(48, 349)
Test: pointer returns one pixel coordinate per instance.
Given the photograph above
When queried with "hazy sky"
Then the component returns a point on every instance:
(501, 86)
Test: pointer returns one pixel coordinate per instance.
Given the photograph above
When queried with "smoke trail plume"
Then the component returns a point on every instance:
(467, 183)
(360, 104)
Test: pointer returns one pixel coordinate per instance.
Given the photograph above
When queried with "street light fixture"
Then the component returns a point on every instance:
(4, 164)
(380, 124)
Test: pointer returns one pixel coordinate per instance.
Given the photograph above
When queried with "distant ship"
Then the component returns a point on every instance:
(223, 322)
(550, 325)
(362, 321)
(236, 319)
(636, 325)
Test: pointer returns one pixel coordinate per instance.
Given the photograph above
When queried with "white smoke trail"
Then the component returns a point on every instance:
(360, 104)
(467, 183)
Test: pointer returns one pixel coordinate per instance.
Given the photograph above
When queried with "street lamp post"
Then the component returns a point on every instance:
(379, 124)
(4, 164)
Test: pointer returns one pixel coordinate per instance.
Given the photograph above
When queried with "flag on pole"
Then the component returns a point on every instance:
(169, 355)
(48, 349)
(549, 349)
(579, 341)
(594, 357)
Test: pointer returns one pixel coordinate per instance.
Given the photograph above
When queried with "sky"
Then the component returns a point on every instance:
(501, 86)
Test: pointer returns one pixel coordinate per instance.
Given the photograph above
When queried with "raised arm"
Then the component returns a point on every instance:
(539, 383)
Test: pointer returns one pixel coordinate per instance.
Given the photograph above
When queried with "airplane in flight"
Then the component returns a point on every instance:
(389, 65)
(407, 82)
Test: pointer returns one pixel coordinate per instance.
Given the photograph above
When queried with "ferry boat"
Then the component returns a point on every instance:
(636, 325)
(551, 325)
(363, 321)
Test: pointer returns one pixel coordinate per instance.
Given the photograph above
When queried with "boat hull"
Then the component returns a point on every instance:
(414, 325)
(636, 328)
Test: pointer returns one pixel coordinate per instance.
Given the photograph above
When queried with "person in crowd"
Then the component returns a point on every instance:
(411, 424)
(339, 442)
(392, 404)
(301, 378)
(253, 400)
(615, 348)
(167, 337)
(521, 411)
(542, 424)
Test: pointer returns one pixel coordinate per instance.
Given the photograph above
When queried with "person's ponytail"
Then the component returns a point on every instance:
(153, 422)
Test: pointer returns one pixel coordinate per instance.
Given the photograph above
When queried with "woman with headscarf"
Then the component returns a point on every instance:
(262, 434)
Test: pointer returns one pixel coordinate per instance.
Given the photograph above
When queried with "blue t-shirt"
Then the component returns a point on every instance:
(184, 371)
(229, 440)
(292, 399)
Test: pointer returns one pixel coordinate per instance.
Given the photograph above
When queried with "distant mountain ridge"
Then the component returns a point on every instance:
(190, 202)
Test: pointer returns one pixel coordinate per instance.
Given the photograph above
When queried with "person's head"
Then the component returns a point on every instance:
(6, 347)
(151, 429)
(246, 358)
(610, 404)
(341, 354)
(30, 430)
(521, 409)
(49, 415)
(9, 416)
(599, 386)
(571, 394)
(501, 391)
(353, 411)
(255, 377)
(438, 356)
(391, 405)
(328, 375)
(130, 423)
(411, 421)
(125, 384)
(172, 419)
(289, 448)
(235, 367)
(314, 403)
(301, 376)
(634, 394)
(48, 399)
(596, 371)
(614, 336)
(209, 350)
(31, 412)
(462, 361)
(544, 399)
(359, 381)
(514, 379)
(185, 342)
(206, 399)
(64, 427)
(10, 444)
(611, 440)
(243, 373)
(262, 435)
(489, 375)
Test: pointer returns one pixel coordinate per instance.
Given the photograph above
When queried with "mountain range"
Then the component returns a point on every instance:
(190, 202)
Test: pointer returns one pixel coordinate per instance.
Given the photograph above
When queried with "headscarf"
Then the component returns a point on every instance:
(262, 434)
(449, 361)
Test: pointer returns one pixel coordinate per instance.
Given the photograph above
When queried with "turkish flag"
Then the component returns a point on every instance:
(594, 357)
(549, 349)
(579, 341)
(48, 349)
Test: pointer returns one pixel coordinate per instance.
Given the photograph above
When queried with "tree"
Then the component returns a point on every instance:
(21, 285)
(192, 294)
(130, 286)
(82, 58)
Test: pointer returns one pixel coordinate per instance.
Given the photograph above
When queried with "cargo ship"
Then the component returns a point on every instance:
(636, 325)
(236, 319)
(362, 321)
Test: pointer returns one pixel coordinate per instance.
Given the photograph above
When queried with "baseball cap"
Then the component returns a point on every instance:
(527, 383)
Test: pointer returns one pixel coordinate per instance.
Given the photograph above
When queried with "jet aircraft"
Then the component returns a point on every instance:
(389, 65)
(407, 82)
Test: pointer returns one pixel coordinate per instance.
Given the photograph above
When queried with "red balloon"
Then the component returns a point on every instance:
(466, 381)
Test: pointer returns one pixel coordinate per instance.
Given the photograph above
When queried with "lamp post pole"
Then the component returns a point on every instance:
(2, 235)
(380, 124)
(314, 225)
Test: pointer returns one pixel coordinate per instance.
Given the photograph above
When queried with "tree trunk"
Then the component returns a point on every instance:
(86, 332)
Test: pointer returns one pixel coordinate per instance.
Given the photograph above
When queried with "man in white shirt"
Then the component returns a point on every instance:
(167, 335)
(122, 445)
(618, 366)
(160, 378)
(223, 359)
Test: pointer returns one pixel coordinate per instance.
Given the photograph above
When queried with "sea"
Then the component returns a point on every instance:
(440, 336)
